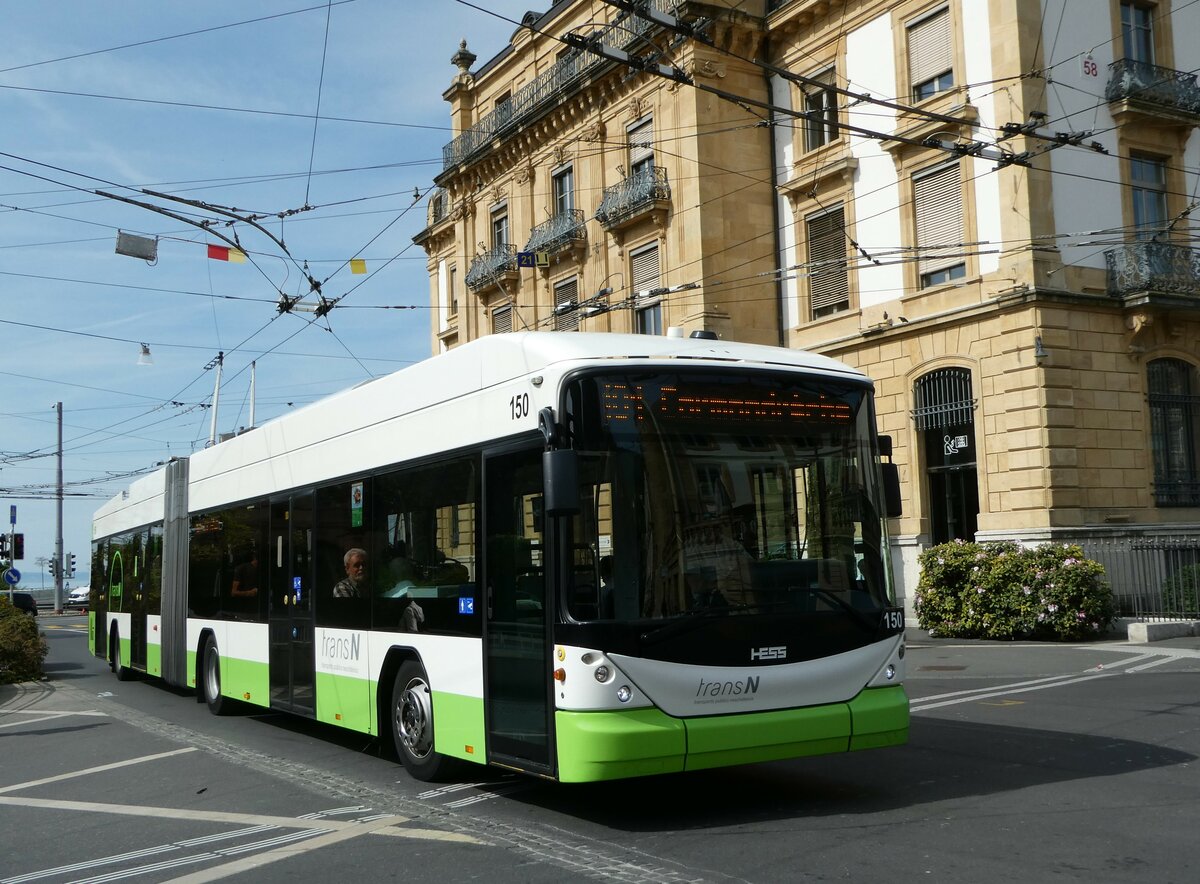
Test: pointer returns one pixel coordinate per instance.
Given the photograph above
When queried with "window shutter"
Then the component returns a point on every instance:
(937, 204)
(643, 267)
(641, 144)
(502, 321)
(565, 293)
(930, 48)
(828, 288)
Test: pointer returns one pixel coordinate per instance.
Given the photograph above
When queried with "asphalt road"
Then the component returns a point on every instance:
(1026, 762)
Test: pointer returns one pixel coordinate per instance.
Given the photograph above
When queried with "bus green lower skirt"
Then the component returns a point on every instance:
(610, 745)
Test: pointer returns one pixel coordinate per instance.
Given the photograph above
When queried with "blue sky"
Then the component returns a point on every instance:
(180, 98)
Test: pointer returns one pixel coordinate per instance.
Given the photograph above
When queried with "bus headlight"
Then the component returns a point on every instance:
(890, 672)
(624, 693)
(602, 673)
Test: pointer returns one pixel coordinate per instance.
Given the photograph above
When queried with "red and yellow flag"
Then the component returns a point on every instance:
(225, 253)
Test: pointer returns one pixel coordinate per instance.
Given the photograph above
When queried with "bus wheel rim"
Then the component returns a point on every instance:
(414, 718)
(212, 678)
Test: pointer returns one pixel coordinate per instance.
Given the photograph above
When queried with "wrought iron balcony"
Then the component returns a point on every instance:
(560, 232)
(1155, 267)
(1149, 85)
(548, 89)
(642, 191)
(492, 267)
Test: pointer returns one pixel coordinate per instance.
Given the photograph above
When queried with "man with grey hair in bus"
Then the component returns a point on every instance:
(354, 584)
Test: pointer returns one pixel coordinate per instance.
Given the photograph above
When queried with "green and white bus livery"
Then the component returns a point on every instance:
(579, 556)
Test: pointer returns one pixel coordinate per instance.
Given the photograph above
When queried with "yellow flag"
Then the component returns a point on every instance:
(358, 265)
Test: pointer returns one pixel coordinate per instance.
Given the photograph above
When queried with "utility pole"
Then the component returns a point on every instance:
(212, 431)
(58, 540)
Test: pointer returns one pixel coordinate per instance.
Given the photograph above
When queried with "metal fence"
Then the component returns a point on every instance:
(1152, 577)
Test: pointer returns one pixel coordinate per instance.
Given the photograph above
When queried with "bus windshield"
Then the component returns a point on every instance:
(723, 494)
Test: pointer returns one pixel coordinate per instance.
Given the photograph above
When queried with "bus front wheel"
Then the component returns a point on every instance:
(210, 679)
(412, 724)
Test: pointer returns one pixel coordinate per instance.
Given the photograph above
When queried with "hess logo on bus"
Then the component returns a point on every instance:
(775, 652)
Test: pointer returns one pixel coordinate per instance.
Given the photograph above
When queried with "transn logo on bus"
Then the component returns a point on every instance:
(778, 652)
(728, 688)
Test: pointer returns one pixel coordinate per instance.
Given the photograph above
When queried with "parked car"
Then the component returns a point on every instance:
(23, 601)
(78, 597)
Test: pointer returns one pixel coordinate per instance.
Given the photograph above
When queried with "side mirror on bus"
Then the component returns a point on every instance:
(560, 482)
(891, 490)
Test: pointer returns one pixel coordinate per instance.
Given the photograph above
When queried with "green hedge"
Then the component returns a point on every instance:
(1181, 593)
(22, 648)
(1001, 591)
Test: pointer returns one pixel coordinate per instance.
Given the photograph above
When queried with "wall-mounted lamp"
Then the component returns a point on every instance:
(1039, 351)
(144, 358)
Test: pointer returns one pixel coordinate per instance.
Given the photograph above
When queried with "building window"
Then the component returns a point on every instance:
(500, 226)
(645, 274)
(641, 147)
(1137, 31)
(564, 191)
(821, 109)
(1174, 396)
(452, 294)
(648, 319)
(937, 207)
(502, 320)
(930, 54)
(944, 414)
(828, 278)
(566, 305)
(1148, 178)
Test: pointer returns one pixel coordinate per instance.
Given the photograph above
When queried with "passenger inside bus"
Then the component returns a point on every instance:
(354, 584)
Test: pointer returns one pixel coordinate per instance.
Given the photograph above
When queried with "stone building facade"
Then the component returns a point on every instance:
(985, 205)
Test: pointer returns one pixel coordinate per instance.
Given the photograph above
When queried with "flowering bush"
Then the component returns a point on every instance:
(1000, 591)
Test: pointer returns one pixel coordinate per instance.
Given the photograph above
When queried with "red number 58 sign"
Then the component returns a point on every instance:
(1089, 68)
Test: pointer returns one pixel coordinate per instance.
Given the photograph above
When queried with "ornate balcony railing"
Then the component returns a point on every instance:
(637, 193)
(1137, 81)
(547, 89)
(490, 267)
(1157, 267)
(560, 232)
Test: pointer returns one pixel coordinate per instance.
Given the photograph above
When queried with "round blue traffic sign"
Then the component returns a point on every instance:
(12, 576)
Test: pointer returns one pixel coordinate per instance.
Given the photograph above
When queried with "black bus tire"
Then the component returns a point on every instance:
(412, 725)
(210, 679)
(121, 671)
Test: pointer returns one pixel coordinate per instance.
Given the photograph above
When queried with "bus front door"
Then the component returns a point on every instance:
(516, 634)
(290, 611)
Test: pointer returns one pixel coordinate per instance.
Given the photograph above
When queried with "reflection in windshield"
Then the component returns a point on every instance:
(724, 496)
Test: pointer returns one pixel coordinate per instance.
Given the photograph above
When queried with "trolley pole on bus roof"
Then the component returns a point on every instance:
(58, 540)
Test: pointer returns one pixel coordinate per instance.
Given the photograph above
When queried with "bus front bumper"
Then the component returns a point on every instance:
(595, 746)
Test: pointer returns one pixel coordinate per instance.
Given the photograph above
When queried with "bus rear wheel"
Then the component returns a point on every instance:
(121, 671)
(210, 679)
(412, 724)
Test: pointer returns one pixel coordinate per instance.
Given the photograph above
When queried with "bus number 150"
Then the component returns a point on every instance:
(518, 406)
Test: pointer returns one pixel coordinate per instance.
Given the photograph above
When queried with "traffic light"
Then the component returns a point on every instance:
(18, 547)
(53, 567)
(3, 546)
(70, 564)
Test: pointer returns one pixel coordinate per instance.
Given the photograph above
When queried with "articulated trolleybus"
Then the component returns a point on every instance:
(581, 556)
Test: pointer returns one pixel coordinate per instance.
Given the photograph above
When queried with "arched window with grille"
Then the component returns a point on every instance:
(945, 418)
(1174, 397)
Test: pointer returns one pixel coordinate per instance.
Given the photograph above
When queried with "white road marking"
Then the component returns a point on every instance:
(99, 769)
(923, 705)
(45, 715)
(250, 863)
(1152, 664)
